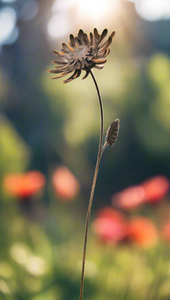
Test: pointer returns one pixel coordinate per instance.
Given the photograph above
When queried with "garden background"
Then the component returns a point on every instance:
(49, 135)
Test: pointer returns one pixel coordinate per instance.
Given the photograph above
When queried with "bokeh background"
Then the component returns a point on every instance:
(48, 144)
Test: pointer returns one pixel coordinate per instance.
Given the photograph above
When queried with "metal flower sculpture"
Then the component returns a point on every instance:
(84, 53)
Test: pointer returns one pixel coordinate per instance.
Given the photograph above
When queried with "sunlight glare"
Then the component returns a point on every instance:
(92, 13)
(94, 8)
(7, 23)
(59, 25)
(8, 1)
(63, 5)
(70, 14)
(153, 10)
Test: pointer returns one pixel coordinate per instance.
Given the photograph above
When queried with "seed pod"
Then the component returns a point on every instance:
(112, 133)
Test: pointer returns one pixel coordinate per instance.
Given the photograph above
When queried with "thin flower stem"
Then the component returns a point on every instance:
(93, 185)
(104, 147)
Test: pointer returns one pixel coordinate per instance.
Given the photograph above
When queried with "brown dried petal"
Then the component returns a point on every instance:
(62, 75)
(77, 42)
(78, 65)
(59, 54)
(87, 73)
(102, 44)
(67, 47)
(98, 67)
(55, 71)
(91, 38)
(59, 62)
(103, 35)
(96, 35)
(102, 54)
(72, 39)
(81, 36)
(74, 75)
(78, 73)
(86, 39)
(113, 34)
(107, 44)
(97, 61)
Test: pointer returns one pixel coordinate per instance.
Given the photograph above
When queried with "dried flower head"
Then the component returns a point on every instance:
(82, 53)
(112, 133)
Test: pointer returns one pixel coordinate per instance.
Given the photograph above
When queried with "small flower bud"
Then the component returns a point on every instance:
(112, 133)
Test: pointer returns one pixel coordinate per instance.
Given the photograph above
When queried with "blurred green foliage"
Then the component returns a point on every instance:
(14, 153)
(37, 266)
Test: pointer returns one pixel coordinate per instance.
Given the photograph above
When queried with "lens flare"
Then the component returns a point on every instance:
(94, 8)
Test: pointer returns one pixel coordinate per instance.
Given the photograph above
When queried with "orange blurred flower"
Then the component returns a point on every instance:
(24, 185)
(165, 232)
(130, 198)
(142, 231)
(65, 184)
(109, 226)
(155, 188)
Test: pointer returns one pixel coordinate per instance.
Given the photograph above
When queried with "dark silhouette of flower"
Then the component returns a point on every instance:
(82, 53)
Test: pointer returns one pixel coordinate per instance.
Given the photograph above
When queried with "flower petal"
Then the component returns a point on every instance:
(98, 67)
(59, 62)
(72, 40)
(96, 36)
(67, 48)
(55, 71)
(103, 35)
(87, 73)
(108, 42)
(59, 54)
(81, 36)
(86, 39)
(97, 61)
(62, 75)
(73, 76)
(91, 38)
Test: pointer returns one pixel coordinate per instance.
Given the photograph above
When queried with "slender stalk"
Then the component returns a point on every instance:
(93, 184)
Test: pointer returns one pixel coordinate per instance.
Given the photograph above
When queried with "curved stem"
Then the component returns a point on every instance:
(93, 184)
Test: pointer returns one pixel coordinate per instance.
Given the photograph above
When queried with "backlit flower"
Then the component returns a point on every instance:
(82, 53)
(109, 226)
(24, 185)
(130, 198)
(142, 231)
(155, 188)
(65, 184)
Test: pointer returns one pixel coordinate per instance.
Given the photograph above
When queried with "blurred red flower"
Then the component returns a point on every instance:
(165, 232)
(142, 231)
(24, 185)
(155, 188)
(152, 190)
(130, 198)
(65, 184)
(109, 226)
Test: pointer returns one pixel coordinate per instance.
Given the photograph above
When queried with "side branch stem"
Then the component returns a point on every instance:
(93, 184)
